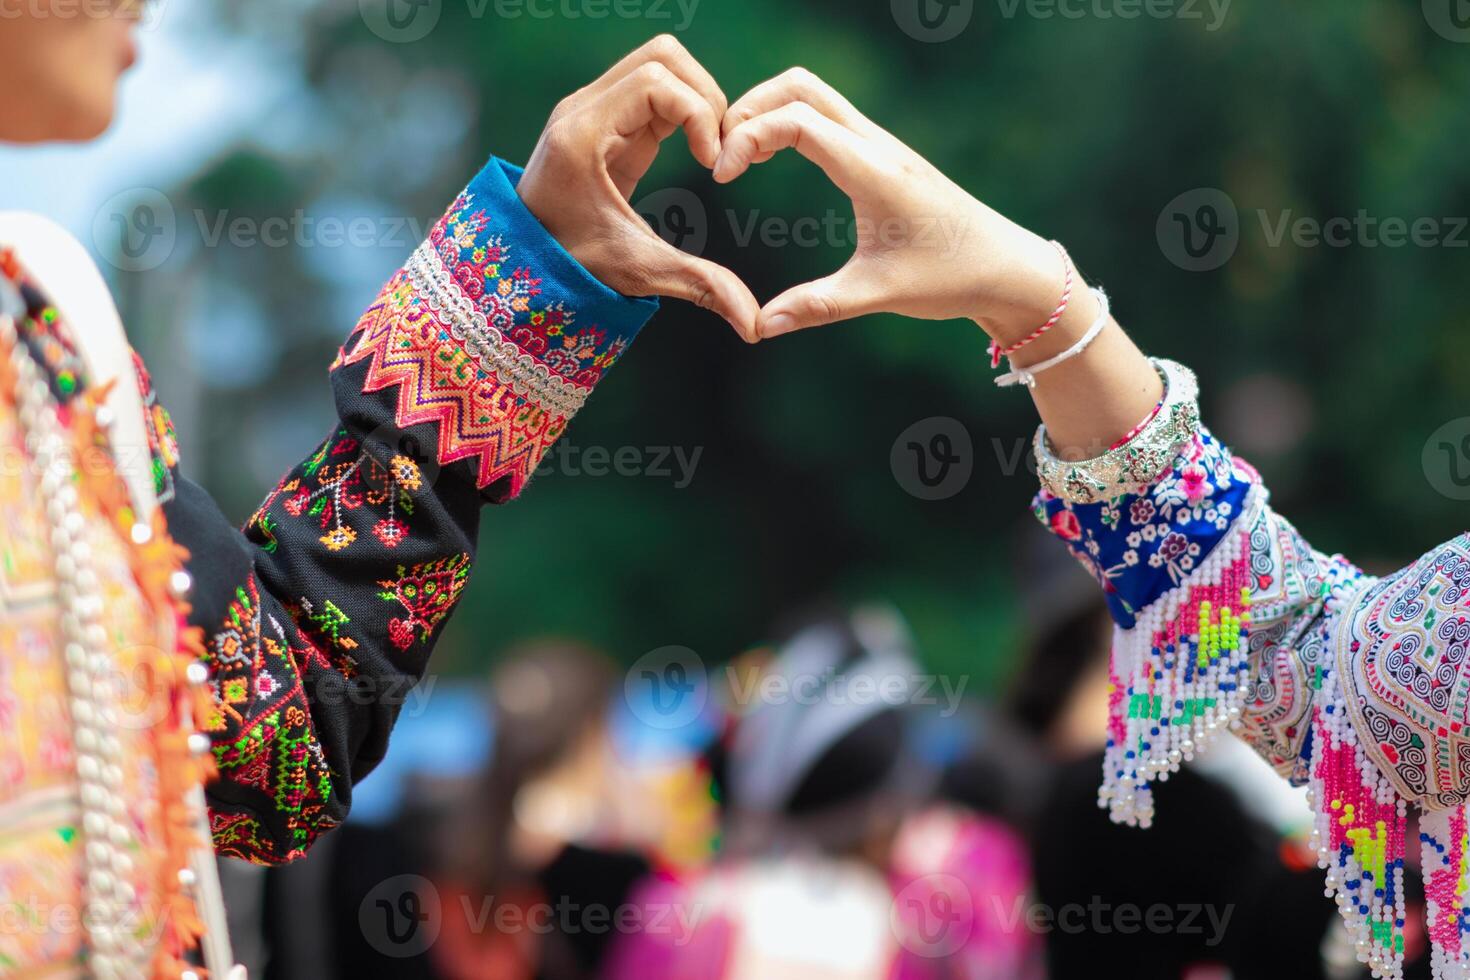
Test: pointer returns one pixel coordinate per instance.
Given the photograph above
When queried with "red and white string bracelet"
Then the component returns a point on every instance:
(997, 352)
(1027, 375)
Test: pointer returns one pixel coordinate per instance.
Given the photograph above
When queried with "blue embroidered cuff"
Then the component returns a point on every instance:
(493, 333)
(1141, 546)
(565, 279)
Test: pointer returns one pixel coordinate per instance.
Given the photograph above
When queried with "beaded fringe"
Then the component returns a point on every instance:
(1359, 832)
(1178, 678)
(1177, 675)
(1443, 849)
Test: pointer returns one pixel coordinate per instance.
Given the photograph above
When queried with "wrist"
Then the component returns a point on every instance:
(1028, 286)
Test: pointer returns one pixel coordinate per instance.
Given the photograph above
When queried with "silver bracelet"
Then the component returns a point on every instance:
(1132, 467)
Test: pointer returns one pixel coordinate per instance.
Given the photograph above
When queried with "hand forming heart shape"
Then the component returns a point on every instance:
(925, 248)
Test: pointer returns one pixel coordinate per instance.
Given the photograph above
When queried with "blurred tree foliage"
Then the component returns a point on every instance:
(1083, 129)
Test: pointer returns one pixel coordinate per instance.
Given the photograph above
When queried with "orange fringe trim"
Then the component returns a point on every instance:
(180, 771)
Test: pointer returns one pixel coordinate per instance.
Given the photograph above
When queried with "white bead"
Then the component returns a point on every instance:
(180, 582)
(79, 684)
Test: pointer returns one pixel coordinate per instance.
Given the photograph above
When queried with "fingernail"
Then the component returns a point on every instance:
(779, 324)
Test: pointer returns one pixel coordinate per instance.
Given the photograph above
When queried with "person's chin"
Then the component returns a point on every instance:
(90, 119)
(72, 128)
(76, 127)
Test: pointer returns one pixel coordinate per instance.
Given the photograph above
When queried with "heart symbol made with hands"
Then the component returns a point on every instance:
(925, 248)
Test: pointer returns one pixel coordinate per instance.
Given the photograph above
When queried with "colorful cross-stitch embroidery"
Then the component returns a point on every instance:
(427, 593)
(163, 443)
(1354, 686)
(346, 478)
(263, 741)
(463, 338)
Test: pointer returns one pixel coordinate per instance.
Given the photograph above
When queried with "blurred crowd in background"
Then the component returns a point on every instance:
(579, 807)
(822, 808)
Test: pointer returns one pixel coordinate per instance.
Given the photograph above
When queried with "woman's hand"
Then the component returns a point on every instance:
(599, 142)
(926, 248)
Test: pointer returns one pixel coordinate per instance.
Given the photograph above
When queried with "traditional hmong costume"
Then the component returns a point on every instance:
(148, 647)
(1227, 619)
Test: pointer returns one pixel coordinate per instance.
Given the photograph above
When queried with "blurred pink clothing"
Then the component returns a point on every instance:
(952, 904)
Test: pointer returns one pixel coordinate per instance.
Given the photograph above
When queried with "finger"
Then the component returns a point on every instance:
(706, 284)
(836, 149)
(666, 50)
(847, 293)
(798, 85)
(653, 94)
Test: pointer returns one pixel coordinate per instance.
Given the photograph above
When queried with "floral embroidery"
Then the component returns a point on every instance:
(471, 348)
(347, 478)
(1355, 686)
(427, 593)
(1138, 547)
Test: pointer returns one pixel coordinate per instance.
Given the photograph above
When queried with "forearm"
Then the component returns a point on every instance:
(1088, 402)
(322, 615)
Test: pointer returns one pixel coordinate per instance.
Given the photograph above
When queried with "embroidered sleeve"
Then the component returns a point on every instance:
(320, 616)
(1227, 618)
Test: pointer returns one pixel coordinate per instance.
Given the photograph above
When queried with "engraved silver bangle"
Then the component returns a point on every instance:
(1132, 467)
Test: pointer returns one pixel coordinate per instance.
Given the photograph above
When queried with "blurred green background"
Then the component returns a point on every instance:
(1328, 366)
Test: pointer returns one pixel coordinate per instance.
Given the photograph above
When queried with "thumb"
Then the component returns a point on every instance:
(706, 284)
(847, 293)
